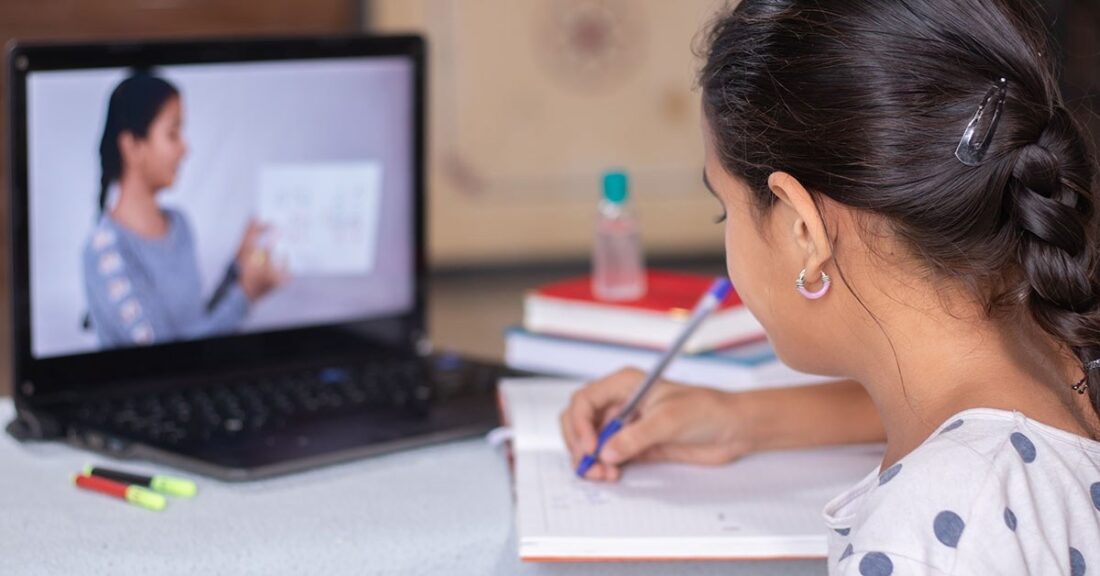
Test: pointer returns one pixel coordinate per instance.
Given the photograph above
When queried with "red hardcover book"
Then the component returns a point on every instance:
(570, 309)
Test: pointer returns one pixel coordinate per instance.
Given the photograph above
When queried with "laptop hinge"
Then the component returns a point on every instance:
(30, 424)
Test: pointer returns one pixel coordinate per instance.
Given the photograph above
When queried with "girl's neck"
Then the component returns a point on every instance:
(947, 363)
(137, 209)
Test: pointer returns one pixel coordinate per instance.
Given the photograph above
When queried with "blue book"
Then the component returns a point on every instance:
(744, 367)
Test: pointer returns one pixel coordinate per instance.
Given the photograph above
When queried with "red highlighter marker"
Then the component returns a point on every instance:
(135, 495)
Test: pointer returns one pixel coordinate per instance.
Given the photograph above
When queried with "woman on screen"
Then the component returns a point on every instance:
(141, 274)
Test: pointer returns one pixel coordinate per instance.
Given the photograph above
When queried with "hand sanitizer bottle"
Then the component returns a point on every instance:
(618, 269)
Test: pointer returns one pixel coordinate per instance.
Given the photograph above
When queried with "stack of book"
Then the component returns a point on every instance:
(568, 332)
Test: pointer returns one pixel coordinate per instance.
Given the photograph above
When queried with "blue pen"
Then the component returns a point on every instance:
(709, 303)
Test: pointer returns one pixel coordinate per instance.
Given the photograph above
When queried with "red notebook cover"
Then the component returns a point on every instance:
(666, 292)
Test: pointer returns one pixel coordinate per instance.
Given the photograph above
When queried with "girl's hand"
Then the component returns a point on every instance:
(674, 422)
(258, 273)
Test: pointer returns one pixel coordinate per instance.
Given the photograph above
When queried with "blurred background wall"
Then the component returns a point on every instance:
(530, 101)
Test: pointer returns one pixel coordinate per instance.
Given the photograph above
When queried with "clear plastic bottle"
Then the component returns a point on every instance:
(618, 267)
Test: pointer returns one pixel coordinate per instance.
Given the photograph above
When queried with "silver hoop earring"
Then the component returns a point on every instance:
(800, 285)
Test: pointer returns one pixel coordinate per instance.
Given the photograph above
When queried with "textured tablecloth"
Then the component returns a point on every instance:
(440, 510)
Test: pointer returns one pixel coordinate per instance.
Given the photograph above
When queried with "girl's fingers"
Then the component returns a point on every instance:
(644, 433)
(589, 405)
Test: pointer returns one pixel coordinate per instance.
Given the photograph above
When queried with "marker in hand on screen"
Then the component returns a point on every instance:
(708, 304)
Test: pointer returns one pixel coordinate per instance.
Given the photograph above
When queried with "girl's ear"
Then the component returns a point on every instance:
(127, 146)
(809, 231)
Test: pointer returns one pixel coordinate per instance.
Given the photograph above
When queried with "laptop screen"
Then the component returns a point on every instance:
(187, 202)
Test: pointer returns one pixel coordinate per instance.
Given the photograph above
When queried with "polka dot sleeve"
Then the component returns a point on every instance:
(883, 563)
(990, 492)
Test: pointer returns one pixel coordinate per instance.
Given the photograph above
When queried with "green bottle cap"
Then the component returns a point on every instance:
(615, 187)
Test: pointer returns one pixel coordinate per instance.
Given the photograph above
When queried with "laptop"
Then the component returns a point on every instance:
(219, 254)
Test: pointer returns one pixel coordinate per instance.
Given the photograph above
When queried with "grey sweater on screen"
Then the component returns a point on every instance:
(148, 290)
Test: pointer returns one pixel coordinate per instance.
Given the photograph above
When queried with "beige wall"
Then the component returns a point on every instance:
(532, 100)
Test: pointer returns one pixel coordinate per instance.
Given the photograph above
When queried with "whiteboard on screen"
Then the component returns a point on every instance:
(323, 217)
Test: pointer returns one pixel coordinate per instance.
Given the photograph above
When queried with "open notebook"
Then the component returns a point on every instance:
(763, 506)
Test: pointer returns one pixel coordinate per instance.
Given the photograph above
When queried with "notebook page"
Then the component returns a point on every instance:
(539, 402)
(765, 505)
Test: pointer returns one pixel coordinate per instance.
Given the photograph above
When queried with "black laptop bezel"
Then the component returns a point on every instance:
(74, 377)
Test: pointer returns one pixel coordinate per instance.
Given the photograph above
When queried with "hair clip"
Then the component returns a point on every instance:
(971, 152)
(1092, 365)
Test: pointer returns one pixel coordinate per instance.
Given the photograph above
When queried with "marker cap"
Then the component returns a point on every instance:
(173, 486)
(145, 498)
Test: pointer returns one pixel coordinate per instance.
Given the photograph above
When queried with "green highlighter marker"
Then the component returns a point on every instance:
(169, 485)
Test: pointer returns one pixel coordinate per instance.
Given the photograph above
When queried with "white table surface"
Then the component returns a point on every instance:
(439, 510)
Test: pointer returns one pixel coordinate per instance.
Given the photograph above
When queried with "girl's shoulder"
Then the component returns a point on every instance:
(102, 236)
(955, 461)
(102, 243)
(988, 489)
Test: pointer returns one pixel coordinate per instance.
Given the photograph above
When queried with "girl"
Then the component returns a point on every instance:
(908, 204)
(141, 275)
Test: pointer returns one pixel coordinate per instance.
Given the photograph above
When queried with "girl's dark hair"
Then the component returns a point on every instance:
(134, 104)
(865, 102)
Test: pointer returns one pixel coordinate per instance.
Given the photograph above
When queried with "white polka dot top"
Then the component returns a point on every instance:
(990, 492)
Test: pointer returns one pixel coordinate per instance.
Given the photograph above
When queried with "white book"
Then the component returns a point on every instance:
(747, 366)
(764, 506)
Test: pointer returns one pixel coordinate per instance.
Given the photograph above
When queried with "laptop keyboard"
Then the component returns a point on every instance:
(262, 403)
